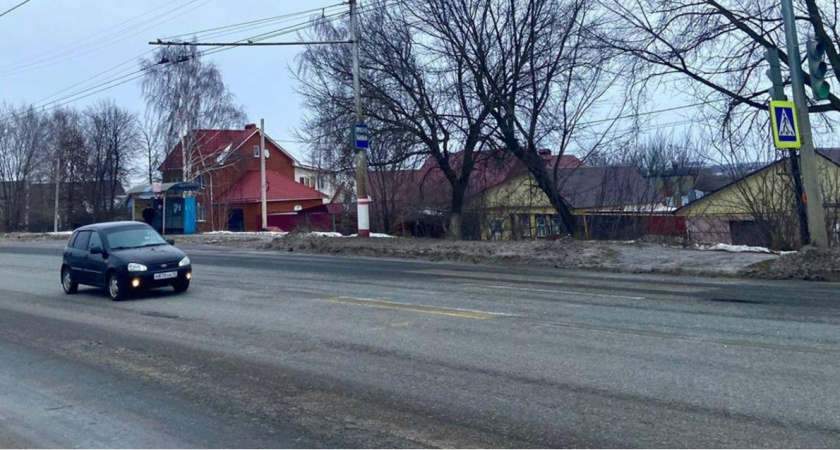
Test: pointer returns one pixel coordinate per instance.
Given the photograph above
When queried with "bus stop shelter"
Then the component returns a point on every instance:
(173, 206)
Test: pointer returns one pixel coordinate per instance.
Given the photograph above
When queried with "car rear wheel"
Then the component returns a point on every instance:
(70, 286)
(115, 288)
(181, 285)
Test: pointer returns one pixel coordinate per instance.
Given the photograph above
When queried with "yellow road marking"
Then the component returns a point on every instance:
(452, 312)
(597, 284)
(552, 291)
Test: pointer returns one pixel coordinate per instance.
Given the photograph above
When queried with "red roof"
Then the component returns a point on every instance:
(280, 188)
(428, 183)
(210, 144)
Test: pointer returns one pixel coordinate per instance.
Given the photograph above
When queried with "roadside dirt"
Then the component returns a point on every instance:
(810, 263)
(629, 257)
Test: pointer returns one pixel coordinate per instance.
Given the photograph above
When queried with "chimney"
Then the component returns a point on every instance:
(544, 152)
(250, 126)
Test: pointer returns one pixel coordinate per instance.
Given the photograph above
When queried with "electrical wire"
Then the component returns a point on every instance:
(258, 21)
(82, 49)
(126, 78)
(14, 7)
(123, 79)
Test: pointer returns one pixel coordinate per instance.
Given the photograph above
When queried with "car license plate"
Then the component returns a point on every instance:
(165, 275)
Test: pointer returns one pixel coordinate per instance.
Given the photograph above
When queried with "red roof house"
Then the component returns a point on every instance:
(226, 166)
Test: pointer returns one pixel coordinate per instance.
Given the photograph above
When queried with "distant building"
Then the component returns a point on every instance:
(226, 164)
(758, 208)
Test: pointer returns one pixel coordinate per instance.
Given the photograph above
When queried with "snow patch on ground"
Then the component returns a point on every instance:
(735, 248)
(246, 233)
(329, 234)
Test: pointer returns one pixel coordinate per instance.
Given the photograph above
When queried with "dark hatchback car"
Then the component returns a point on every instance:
(123, 257)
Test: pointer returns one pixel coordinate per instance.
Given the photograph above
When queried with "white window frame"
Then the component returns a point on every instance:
(200, 212)
(542, 226)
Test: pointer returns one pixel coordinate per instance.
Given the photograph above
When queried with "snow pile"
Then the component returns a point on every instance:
(246, 233)
(59, 233)
(323, 234)
(736, 248)
(375, 235)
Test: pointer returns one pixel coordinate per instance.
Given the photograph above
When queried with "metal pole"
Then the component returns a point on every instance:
(163, 222)
(57, 182)
(362, 199)
(810, 176)
(263, 186)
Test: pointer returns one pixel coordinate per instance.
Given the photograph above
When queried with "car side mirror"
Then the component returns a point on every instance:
(170, 241)
(96, 250)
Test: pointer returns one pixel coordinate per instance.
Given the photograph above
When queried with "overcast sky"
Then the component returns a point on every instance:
(47, 46)
(50, 49)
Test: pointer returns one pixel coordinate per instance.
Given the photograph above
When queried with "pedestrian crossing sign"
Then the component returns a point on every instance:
(785, 125)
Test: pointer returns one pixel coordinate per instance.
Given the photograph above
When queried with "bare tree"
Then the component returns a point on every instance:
(152, 141)
(69, 155)
(414, 90)
(113, 143)
(22, 152)
(187, 94)
(715, 48)
(530, 64)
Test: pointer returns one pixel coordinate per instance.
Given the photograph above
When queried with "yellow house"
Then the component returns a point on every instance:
(609, 200)
(758, 208)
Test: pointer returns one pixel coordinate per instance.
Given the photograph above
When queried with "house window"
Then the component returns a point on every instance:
(256, 151)
(321, 183)
(525, 225)
(542, 225)
(200, 212)
(308, 181)
(556, 225)
(496, 228)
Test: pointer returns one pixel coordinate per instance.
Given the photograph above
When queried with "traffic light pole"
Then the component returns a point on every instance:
(810, 176)
(777, 92)
(363, 202)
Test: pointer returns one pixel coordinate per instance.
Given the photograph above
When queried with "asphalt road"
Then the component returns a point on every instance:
(289, 350)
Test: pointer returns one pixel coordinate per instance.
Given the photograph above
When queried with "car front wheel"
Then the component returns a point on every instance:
(115, 288)
(70, 286)
(181, 285)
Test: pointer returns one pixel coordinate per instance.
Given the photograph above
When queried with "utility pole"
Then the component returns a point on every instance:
(810, 176)
(263, 184)
(362, 199)
(777, 92)
(57, 191)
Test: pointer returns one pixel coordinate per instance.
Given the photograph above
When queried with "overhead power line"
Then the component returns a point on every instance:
(14, 7)
(244, 44)
(253, 22)
(83, 47)
(129, 77)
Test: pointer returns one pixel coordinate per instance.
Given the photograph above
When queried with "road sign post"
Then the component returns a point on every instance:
(785, 124)
(810, 175)
(361, 137)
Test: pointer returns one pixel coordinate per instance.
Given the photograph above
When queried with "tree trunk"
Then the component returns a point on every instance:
(547, 183)
(455, 229)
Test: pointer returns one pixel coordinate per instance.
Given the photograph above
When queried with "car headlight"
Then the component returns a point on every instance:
(134, 267)
(184, 262)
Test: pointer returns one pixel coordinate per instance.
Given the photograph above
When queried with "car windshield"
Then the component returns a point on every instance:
(123, 238)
